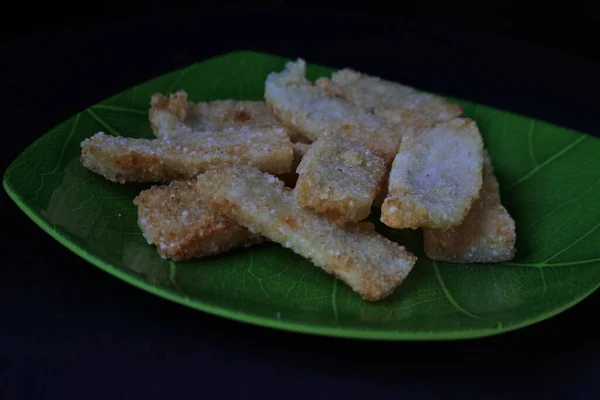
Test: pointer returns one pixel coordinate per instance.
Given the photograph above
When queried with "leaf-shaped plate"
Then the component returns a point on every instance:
(550, 180)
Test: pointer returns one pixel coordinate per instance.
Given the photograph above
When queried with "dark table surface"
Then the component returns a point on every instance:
(70, 330)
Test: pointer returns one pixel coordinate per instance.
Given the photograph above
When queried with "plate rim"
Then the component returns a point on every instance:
(230, 313)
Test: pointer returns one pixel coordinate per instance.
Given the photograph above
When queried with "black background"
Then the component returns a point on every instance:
(69, 330)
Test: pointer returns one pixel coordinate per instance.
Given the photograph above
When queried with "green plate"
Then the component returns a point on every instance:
(550, 180)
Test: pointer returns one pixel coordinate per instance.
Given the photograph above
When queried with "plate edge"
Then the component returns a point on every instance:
(242, 317)
(317, 330)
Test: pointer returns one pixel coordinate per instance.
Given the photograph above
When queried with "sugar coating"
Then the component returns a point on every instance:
(339, 178)
(372, 265)
(436, 176)
(487, 233)
(181, 227)
(173, 115)
(121, 159)
(388, 98)
(312, 111)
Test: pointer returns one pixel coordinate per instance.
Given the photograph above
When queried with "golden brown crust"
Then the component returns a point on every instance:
(339, 179)
(290, 178)
(383, 190)
(390, 99)
(174, 220)
(370, 264)
(175, 104)
(329, 87)
(435, 177)
(487, 234)
(168, 113)
(393, 115)
(312, 111)
(122, 160)
(171, 116)
(404, 117)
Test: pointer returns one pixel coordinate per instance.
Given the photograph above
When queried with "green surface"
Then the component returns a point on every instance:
(550, 180)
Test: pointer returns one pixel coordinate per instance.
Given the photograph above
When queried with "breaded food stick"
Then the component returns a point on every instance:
(311, 111)
(372, 265)
(436, 177)
(389, 98)
(173, 115)
(404, 117)
(181, 227)
(121, 159)
(339, 179)
(487, 234)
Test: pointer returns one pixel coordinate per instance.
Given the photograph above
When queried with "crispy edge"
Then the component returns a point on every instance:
(121, 160)
(340, 207)
(429, 107)
(384, 140)
(228, 113)
(171, 219)
(487, 234)
(400, 211)
(394, 116)
(290, 178)
(170, 115)
(294, 72)
(376, 281)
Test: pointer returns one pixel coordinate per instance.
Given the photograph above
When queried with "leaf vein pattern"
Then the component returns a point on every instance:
(110, 107)
(102, 122)
(549, 160)
(560, 264)
(449, 296)
(579, 239)
(60, 156)
(334, 300)
(173, 275)
(179, 77)
(530, 142)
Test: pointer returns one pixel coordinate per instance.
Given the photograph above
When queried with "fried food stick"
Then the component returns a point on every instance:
(311, 111)
(388, 98)
(181, 227)
(173, 115)
(487, 233)
(122, 160)
(370, 264)
(339, 179)
(436, 177)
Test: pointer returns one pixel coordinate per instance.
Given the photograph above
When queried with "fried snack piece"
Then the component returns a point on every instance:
(122, 160)
(404, 117)
(290, 178)
(339, 179)
(370, 264)
(311, 111)
(173, 115)
(487, 233)
(181, 227)
(302, 139)
(300, 149)
(390, 98)
(435, 177)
